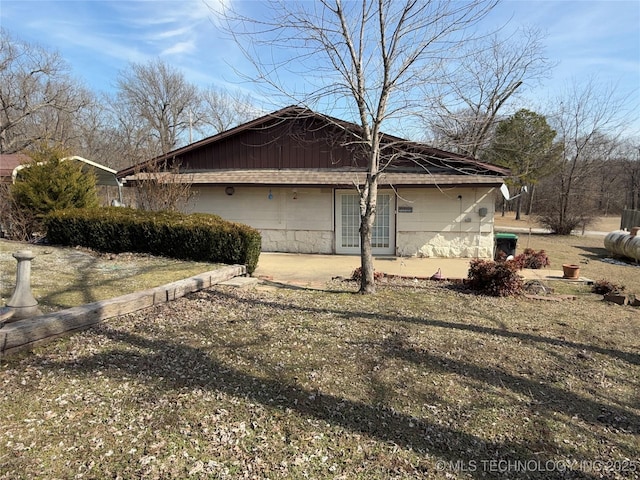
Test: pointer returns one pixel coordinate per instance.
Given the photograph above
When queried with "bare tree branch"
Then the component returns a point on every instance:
(368, 58)
(489, 73)
(38, 97)
(161, 97)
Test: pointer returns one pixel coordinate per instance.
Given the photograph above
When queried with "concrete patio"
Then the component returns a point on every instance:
(300, 269)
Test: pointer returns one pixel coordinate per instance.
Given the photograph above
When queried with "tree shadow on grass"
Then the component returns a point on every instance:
(193, 368)
(549, 398)
(83, 281)
(291, 286)
(90, 283)
(594, 253)
(557, 399)
(633, 358)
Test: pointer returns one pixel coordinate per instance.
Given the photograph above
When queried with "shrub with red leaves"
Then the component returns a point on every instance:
(498, 279)
(532, 259)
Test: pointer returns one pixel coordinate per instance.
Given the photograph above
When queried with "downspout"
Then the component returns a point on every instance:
(120, 184)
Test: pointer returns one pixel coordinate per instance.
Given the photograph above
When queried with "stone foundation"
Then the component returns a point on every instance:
(410, 244)
(444, 245)
(297, 241)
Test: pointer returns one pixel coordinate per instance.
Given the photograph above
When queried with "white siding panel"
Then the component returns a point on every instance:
(303, 224)
(446, 223)
(312, 209)
(246, 206)
(442, 211)
(439, 225)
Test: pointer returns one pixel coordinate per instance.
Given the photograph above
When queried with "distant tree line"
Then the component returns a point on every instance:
(153, 110)
(572, 158)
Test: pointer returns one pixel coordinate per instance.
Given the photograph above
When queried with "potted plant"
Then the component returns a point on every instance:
(570, 270)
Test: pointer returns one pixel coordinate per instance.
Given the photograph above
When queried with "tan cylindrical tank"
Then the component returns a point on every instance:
(623, 244)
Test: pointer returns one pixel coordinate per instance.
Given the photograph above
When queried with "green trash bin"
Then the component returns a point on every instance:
(505, 245)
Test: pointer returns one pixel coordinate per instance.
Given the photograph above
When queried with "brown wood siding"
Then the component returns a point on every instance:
(299, 139)
(282, 146)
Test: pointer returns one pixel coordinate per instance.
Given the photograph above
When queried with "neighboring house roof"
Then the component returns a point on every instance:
(296, 146)
(8, 162)
(104, 175)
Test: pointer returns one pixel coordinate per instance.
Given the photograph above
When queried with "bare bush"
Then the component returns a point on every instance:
(161, 187)
(16, 223)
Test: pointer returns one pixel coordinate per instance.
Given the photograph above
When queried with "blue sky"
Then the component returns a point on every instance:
(98, 38)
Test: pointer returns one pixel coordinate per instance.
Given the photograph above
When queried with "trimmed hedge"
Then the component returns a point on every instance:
(198, 236)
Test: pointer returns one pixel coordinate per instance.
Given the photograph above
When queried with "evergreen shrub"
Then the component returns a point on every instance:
(199, 237)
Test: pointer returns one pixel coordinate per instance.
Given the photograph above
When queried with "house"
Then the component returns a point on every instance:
(8, 162)
(294, 175)
(10, 166)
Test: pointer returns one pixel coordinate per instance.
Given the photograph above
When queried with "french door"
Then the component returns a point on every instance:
(348, 224)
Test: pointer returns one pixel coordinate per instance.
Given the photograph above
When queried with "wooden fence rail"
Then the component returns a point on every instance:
(27, 333)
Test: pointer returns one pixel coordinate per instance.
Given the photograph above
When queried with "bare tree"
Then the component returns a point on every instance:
(613, 182)
(95, 139)
(369, 56)
(631, 163)
(588, 121)
(38, 97)
(129, 136)
(16, 223)
(479, 84)
(222, 110)
(162, 99)
(41, 102)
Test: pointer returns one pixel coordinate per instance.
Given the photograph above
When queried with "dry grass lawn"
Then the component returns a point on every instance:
(63, 277)
(600, 224)
(421, 380)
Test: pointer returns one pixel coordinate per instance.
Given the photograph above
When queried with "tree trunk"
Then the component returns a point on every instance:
(518, 207)
(634, 194)
(530, 205)
(368, 199)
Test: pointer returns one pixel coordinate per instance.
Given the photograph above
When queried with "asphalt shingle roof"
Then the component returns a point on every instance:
(321, 178)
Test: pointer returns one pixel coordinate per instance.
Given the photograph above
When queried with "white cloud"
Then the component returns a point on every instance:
(179, 48)
(176, 32)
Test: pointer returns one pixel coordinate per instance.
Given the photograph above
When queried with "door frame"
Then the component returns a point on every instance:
(339, 194)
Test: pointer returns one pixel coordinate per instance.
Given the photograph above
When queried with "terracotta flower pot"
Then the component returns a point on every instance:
(570, 271)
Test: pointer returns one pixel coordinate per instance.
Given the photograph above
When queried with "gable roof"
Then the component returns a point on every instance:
(413, 163)
(104, 175)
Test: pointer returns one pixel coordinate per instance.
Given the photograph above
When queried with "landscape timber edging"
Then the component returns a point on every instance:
(27, 333)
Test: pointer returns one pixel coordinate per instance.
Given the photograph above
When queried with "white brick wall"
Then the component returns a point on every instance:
(301, 220)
